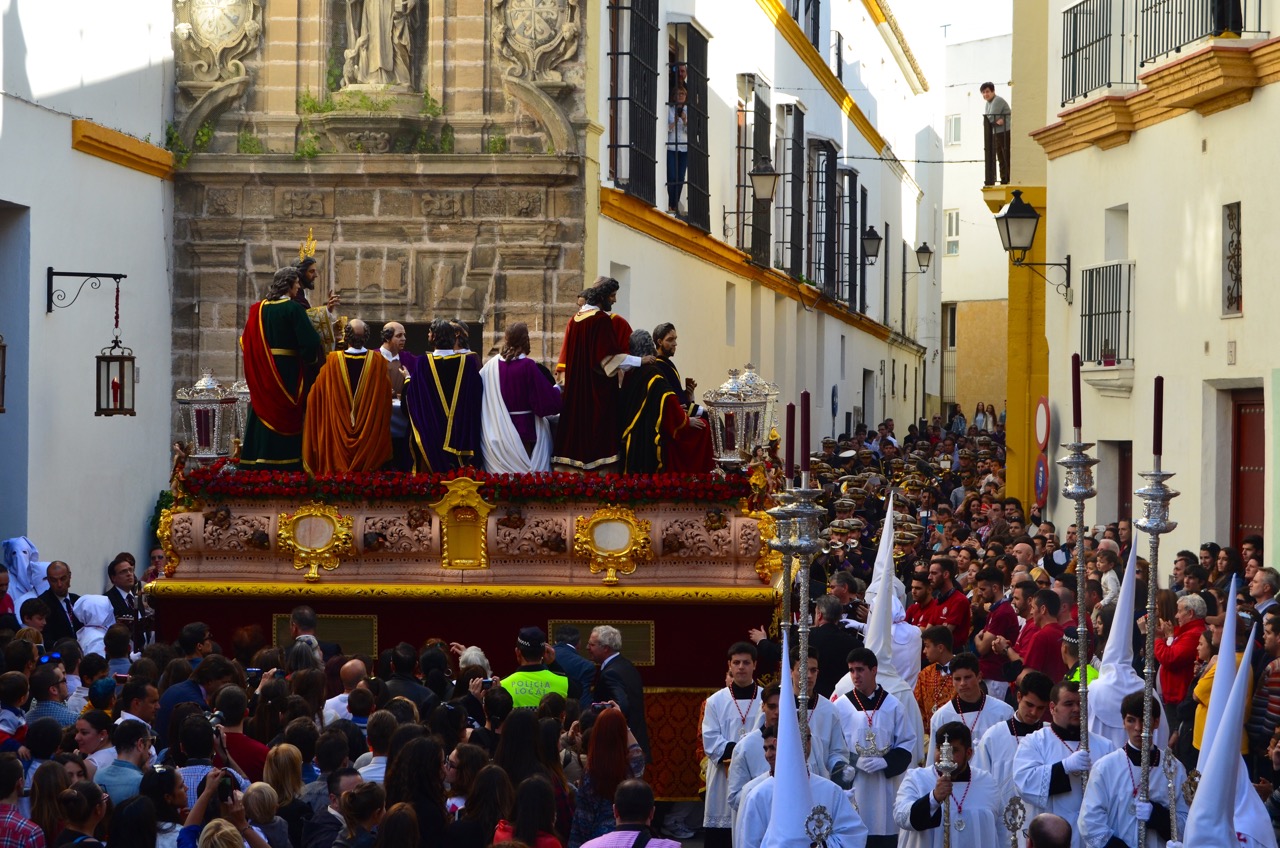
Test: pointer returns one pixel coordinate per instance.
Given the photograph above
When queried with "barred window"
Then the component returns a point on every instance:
(633, 96)
(789, 245)
(752, 231)
(688, 171)
(822, 207)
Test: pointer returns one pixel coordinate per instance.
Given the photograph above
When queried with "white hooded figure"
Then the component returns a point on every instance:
(26, 573)
(95, 613)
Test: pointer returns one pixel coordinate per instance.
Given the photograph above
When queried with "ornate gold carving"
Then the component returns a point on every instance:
(480, 592)
(769, 561)
(400, 535)
(464, 519)
(165, 534)
(303, 534)
(607, 550)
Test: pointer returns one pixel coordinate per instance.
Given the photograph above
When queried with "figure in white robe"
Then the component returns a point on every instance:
(1047, 769)
(881, 744)
(975, 810)
(27, 575)
(754, 815)
(979, 716)
(740, 836)
(995, 755)
(1109, 811)
(729, 715)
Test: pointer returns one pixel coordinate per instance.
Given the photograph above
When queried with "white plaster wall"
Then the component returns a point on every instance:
(1175, 177)
(89, 483)
(979, 270)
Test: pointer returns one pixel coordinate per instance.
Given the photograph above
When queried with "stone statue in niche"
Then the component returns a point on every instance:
(380, 42)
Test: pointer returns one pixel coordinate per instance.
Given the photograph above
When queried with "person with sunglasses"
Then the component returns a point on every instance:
(49, 689)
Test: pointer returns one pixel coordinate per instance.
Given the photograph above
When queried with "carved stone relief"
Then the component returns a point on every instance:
(537, 36)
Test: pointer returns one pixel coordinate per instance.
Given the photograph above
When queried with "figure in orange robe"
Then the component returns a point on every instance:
(348, 426)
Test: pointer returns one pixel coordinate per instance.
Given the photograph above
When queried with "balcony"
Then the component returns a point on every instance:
(1105, 43)
(1106, 328)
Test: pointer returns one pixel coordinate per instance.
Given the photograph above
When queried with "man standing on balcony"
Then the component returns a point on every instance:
(997, 116)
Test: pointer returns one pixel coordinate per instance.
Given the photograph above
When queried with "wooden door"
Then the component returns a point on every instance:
(1124, 479)
(1248, 463)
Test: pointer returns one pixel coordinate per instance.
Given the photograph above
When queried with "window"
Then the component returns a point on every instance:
(847, 236)
(893, 378)
(822, 205)
(949, 326)
(1232, 267)
(862, 263)
(755, 131)
(688, 174)
(842, 356)
(837, 55)
(789, 245)
(812, 23)
(953, 232)
(953, 129)
(633, 96)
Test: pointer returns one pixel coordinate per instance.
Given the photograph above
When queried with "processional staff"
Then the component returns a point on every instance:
(1155, 521)
(1078, 487)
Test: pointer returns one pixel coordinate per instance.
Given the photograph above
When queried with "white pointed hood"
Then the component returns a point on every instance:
(1220, 761)
(1223, 676)
(792, 799)
(1117, 678)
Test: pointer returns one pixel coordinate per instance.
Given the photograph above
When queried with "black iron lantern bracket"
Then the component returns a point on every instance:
(55, 297)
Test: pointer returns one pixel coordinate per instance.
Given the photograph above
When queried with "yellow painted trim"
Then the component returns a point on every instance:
(1212, 79)
(481, 592)
(97, 140)
(643, 218)
(791, 31)
(884, 20)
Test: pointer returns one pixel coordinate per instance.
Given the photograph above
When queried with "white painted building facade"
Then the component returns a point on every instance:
(72, 480)
(1166, 207)
(851, 113)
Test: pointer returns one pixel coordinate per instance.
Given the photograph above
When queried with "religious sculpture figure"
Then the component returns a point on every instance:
(379, 39)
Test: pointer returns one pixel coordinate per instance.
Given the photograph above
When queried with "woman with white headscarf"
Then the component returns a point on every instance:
(95, 613)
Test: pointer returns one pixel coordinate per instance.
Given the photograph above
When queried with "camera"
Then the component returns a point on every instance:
(600, 706)
(486, 683)
(226, 789)
(215, 719)
(121, 678)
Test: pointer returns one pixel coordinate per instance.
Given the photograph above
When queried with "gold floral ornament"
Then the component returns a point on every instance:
(317, 535)
(614, 539)
(165, 535)
(464, 525)
(769, 561)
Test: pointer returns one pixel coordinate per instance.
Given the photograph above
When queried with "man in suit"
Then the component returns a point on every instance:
(575, 666)
(404, 683)
(619, 681)
(62, 622)
(124, 602)
(302, 622)
(828, 635)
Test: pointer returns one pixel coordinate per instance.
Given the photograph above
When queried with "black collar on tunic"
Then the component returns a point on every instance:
(865, 703)
(1066, 734)
(743, 693)
(963, 706)
(1018, 728)
(1135, 754)
(962, 774)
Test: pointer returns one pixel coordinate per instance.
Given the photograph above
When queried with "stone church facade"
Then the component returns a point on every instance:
(434, 150)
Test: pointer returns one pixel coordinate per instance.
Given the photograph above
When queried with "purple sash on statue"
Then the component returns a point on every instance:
(444, 411)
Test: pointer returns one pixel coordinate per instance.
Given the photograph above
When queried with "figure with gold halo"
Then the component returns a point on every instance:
(279, 344)
(348, 425)
(327, 322)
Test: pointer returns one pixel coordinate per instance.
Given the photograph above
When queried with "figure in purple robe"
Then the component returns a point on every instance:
(443, 396)
(519, 396)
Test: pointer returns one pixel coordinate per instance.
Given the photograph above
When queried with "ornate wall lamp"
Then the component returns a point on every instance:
(116, 366)
(1017, 224)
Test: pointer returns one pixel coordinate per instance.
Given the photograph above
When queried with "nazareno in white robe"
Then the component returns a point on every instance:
(1107, 810)
(980, 811)
(1033, 773)
(847, 829)
(724, 721)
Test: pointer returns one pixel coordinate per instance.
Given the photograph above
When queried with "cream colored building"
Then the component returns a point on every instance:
(1159, 190)
(842, 97)
(975, 303)
(83, 189)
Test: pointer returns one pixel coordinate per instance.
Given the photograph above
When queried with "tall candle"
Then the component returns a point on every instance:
(804, 430)
(789, 467)
(1157, 438)
(1075, 390)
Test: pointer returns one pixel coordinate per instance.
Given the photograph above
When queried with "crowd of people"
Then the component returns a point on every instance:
(323, 401)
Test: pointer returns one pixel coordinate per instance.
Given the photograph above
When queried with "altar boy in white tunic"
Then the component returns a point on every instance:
(880, 741)
(749, 759)
(1111, 810)
(828, 753)
(999, 746)
(971, 706)
(728, 716)
(969, 794)
(1049, 762)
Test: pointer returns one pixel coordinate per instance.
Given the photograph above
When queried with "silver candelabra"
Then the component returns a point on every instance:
(1154, 522)
(1078, 487)
(946, 764)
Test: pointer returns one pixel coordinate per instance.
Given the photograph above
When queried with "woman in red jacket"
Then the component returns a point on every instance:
(1176, 648)
(535, 818)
